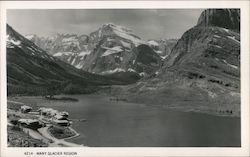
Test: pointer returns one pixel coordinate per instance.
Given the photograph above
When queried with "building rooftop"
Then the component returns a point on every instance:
(26, 107)
(27, 121)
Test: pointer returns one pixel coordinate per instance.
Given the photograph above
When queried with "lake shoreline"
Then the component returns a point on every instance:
(176, 107)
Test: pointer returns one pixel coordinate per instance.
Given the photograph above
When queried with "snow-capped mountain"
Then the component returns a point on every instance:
(116, 49)
(111, 49)
(31, 70)
(69, 48)
(60, 43)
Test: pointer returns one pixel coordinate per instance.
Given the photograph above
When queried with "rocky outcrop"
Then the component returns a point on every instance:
(225, 18)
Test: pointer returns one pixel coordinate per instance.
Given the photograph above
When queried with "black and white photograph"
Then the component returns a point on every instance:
(150, 77)
(85, 77)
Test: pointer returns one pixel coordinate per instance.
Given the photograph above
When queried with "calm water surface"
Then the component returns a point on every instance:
(113, 124)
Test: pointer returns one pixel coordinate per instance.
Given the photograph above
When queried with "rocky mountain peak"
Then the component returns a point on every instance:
(116, 27)
(225, 18)
(115, 32)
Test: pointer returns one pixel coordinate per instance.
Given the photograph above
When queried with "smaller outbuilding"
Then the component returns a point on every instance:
(64, 114)
(30, 123)
(25, 109)
(61, 122)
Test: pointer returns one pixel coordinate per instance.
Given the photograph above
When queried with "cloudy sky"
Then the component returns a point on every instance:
(146, 23)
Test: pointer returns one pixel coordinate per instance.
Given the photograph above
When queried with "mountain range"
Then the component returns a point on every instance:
(110, 50)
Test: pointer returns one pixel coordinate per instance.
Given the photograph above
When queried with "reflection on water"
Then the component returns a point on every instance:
(111, 123)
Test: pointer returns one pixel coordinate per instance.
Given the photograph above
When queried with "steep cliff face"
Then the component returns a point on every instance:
(208, 51)
(211, 53)
(225, 18)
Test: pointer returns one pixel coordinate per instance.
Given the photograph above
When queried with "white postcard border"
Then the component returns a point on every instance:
(133, 151)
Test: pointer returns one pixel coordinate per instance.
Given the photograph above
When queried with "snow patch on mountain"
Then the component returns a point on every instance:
(13, 41)
(131, 70)
(212, 94)
(118, 27)
(110, 39)
(158, 51)
(58, 54)
(226, 30)
(70, 39)
(112, 50)
(217, 46)
(164, 57)
(69, 59)
(73, 62)
(142, 74)
(231, 65)
(29, 36)
(79, 66)
(30, 49)
(217, 36)
(126, 44)
(233, 38)
(125, 33)
(153, 43)
(84, 53)
(113, 71)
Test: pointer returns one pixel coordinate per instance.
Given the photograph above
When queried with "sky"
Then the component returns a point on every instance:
(146, 23)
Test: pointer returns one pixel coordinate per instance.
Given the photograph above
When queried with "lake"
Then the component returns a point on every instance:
(111, 123)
